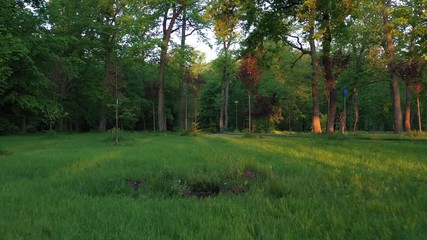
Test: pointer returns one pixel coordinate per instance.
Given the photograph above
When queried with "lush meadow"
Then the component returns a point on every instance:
(167, 186)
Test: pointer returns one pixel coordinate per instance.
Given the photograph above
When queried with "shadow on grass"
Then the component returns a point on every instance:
(4, 153)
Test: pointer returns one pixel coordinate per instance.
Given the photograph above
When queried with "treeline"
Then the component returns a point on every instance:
(308, 65)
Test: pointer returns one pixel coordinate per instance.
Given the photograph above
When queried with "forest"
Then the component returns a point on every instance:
(287, 65)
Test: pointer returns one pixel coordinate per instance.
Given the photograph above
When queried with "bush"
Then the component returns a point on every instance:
(122, 135)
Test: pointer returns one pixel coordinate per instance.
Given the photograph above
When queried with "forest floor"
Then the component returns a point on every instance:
(167, 186)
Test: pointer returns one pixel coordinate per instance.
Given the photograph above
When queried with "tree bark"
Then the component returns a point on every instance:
(249, 112)
(329, 75)
(103, 108)
(182, 91)
(407, 107)
(223, 116)
(394, 85)
(24, 124)
(103, 117)
(419, 113)
(167, 32)
(227, 87)
(356, 109)
(316, 126)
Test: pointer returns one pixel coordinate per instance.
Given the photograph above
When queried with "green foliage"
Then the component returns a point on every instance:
(56, 63)
(52, 113)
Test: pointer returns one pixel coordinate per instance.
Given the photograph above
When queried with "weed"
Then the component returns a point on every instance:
(276, 187)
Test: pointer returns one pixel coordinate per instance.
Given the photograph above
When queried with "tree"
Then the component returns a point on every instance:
(23, 84)
(277, 21)
(109, 30)
(192, 21)
(225, 16)
(250, 74)
(171, 12)
(390, 52)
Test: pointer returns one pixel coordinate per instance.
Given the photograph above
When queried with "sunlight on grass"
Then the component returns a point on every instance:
(87, 164)
(358, 158)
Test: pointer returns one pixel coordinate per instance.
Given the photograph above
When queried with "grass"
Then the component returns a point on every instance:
(299, 186)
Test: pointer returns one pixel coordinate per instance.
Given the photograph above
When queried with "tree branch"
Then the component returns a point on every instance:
(294, 62)
(192, 31)
(293, 45)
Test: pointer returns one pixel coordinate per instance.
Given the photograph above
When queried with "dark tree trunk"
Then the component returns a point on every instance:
(182, 86)
(107, 71)
(24, 124)
(161, 105)
(419, 112)
(329, 75)
(407, 107)
(227, 87)
(103, 117)
(316, 126)
(167, 32)
(249, 112)
(222, 110)
(223, 116)
(394, 85)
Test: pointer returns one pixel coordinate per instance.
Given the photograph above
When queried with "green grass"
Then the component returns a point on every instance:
(80, 186)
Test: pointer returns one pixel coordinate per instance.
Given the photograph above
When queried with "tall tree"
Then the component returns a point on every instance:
(22, 52)
(226, 16)
(390, 51)
(276, 20)
(109, 30)
(171, 12)
(250, 74)
(407, 19)
(191, 21)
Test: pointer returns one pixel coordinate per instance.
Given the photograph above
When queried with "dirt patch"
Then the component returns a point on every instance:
(249, 174)
(203, 190)
(239, 189)
(170, 184)
(134, 183)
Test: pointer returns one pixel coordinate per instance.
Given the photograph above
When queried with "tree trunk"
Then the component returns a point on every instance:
(249, 112)
(316, 126)
(24, 124)
(154, 118)
(167, 32)
(103, 117)
(117, 121)
(407, 107)
(221, 114)
(356, 109)
(182, 91)
(77, 121)
(394, 86)
(329, 75)
(419, 113)
(107, 71)
(161, 104)
(227, 87)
